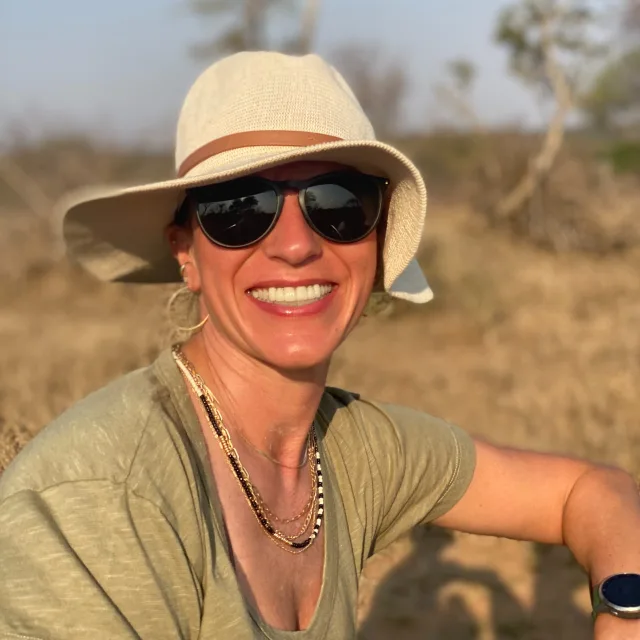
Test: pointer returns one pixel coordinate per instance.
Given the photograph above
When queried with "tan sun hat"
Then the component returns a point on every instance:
(246, 113)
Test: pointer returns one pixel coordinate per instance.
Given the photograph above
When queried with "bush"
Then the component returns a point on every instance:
(624, 157)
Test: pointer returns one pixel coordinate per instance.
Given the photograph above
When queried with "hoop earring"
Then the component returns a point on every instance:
(176, 294)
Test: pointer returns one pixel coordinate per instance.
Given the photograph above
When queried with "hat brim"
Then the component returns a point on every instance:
(118, 234)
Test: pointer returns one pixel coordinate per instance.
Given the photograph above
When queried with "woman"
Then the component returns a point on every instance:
(224, 491)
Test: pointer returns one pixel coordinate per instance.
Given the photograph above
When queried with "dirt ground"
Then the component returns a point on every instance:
(521, 347)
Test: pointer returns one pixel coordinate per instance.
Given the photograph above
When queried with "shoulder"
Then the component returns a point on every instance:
(96, 439)
(354, 420)
(394, 466)
(390, 443)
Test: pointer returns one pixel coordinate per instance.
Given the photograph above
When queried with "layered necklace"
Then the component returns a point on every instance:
(265, 517)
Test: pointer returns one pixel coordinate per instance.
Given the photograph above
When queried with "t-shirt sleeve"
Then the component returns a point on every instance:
(91, 559)
(423, 466)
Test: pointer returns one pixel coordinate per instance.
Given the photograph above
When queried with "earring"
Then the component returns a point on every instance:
(175, 296)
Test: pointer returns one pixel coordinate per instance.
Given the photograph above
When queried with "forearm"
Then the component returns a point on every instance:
(601, 523)
(593, 510)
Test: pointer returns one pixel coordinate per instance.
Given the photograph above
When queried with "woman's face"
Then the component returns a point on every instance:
(234, 284)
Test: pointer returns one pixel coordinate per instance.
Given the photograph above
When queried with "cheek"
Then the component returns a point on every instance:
(366, 259)
(216, 268)
(360, 262)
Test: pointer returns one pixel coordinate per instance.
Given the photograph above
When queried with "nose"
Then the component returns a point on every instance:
(292, 240)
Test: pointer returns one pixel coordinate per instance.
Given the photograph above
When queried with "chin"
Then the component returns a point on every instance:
(298, 356)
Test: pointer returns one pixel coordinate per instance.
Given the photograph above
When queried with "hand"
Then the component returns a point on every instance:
(609, 627)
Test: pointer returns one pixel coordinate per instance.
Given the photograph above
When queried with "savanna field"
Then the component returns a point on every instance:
(522, 346)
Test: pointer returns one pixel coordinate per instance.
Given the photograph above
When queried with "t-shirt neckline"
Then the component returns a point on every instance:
(172, 379)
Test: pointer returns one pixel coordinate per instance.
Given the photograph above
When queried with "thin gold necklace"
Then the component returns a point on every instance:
(308, 507)
(216, 423)
(308, 512)
(264, 454)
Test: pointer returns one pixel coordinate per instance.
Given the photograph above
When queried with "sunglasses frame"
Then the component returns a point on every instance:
(280, 187)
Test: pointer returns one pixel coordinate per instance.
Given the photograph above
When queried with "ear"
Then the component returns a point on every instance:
(181, 243)
(180, 240)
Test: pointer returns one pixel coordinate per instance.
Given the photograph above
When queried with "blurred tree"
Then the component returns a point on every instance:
(308, 26)
(245, 25)
(379, 84)
(548, 42)
(455, 91)
(455, 94)
(463, 73)
(245, 32)
(613, 98)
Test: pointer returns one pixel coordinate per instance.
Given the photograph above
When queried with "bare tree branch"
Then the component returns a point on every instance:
(246, 26)
(541, 164)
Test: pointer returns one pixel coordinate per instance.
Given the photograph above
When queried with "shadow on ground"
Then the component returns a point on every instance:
(429, 597)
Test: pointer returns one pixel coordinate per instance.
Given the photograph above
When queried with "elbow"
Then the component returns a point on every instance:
(598, 490)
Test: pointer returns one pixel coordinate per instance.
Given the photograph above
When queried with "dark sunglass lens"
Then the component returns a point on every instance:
(346, 209)
(236, 213)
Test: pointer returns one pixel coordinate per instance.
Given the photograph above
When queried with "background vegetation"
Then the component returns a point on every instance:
(532, 247)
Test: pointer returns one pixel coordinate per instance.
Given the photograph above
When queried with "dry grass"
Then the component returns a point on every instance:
(523, 347)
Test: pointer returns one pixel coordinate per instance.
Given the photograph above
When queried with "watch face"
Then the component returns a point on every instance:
(622, 591)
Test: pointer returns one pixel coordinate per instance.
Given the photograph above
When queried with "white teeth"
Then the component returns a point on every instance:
(292, 296)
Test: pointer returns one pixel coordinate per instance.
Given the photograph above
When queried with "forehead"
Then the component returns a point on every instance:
(300, 170)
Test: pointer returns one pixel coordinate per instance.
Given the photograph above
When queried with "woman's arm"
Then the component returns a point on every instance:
(594, 510)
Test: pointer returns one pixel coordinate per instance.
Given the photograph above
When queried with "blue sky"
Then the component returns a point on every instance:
(121, 68)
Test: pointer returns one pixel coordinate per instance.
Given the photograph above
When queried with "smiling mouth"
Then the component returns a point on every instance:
(293, 296)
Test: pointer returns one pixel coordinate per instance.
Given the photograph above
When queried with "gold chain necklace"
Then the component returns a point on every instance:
(216, 423)
(265, 455)
(309, 512)
(309, 508)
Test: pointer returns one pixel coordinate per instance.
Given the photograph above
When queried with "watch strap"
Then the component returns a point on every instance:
(597, 605)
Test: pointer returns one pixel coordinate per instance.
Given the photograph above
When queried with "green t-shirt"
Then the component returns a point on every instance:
(110, 526)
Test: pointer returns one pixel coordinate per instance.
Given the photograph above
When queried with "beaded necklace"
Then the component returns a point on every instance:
(259, 508)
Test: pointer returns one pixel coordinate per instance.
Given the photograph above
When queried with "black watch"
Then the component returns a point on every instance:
(618, 595)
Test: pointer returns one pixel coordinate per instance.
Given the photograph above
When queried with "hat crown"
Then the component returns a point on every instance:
(268, 91)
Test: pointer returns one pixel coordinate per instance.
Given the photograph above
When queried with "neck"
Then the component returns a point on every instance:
(271, 408)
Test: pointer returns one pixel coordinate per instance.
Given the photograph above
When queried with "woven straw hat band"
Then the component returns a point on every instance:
(252, 139)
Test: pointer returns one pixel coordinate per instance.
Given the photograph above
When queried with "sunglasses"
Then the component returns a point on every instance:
(342, 207)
